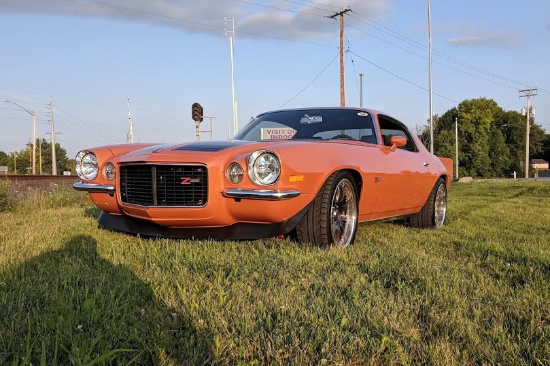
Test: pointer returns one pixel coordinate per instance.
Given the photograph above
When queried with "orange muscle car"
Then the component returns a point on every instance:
(313, 174)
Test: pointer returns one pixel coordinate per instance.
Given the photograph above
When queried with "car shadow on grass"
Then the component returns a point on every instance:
(70, 306)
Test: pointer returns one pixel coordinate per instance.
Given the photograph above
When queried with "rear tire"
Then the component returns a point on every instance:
(332, 218)
(434, 211)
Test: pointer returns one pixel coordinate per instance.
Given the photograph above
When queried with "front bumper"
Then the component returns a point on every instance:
(94, 188)
(260, 194)
(253, 194)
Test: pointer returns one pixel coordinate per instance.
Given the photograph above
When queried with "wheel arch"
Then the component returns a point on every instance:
(357, 178)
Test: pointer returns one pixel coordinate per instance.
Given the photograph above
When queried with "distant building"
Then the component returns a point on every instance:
(538, 165)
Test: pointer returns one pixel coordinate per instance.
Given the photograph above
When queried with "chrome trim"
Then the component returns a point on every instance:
(260, 194)
(94, 188)
(252, 172)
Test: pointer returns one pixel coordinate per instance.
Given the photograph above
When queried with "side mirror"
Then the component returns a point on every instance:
(397, 141)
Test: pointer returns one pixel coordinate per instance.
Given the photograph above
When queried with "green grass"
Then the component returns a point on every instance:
(475, 292)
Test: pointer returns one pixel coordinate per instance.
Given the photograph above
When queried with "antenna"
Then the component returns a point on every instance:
(130, 133)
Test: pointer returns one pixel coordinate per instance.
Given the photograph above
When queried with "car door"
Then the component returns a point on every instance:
(407, 179)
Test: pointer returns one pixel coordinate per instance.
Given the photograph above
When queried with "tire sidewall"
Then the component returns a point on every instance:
(338, 177)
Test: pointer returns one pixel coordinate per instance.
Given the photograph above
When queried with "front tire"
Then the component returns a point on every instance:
(332, 218)
(434, 211)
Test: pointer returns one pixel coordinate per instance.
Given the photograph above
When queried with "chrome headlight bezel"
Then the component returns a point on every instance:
(109, 171)
(87, 167)
(264, 167)
(234, 173)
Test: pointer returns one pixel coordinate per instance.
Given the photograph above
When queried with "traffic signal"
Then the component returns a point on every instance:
(196, 112)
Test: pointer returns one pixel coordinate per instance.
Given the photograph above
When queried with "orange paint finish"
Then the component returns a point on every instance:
(392, 180)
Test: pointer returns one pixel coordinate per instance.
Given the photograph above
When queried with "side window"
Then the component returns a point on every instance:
(390, 127)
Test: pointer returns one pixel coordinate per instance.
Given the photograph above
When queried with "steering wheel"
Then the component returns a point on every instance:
(343, 137)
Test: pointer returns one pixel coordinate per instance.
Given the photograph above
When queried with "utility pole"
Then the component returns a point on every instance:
(361, 89)
(33, 114)
(342, 83)
(52, 132)
(130, 133)
(232, 46)
(527, 93)
(430, 76)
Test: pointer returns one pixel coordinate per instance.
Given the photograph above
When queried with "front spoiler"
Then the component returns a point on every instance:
(237, 231)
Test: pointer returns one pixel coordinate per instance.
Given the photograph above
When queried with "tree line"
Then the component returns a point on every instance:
(491, 141)
(20, 162)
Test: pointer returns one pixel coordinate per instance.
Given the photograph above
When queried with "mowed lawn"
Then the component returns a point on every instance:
(476, 292)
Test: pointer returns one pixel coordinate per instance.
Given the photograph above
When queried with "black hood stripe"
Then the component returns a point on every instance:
(211, 145)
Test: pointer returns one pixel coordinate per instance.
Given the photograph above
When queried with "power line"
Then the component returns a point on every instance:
(311, 82)
(416, 44)
(400, 77)
(354, 15)
(277, 8)
(304, 3)
(437, 62)
(89, 131)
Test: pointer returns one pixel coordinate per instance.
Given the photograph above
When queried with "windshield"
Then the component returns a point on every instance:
(305, 124)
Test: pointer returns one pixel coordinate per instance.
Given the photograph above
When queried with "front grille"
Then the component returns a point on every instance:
(164, 185)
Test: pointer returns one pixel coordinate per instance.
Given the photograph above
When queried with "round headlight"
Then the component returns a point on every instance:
(109, 171)
(86, 165)
(264, 167)
(234, 173)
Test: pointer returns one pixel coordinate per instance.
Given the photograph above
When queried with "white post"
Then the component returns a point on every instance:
(232, 51)
(456, 147)
(430, 67)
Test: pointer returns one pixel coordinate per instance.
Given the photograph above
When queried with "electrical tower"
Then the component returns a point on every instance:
(527, 93)
(52, 132)
(342, 82)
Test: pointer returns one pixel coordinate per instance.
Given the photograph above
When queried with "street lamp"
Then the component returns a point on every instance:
(33, 114)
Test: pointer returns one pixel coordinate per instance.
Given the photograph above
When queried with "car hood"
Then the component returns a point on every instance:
(210, 149)
(164, 152)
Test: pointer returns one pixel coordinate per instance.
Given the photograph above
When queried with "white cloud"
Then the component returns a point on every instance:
(276, 18)
(505, 39)
(467, 34)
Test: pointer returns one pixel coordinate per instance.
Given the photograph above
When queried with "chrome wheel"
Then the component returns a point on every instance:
(440, 205)
(332, 218)
(343, 213)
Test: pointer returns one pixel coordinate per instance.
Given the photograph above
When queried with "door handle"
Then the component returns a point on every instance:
(425, 163)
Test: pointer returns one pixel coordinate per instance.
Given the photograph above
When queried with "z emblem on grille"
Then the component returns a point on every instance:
(186, 180)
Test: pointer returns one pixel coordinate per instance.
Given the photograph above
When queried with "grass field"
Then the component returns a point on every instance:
(475, 292)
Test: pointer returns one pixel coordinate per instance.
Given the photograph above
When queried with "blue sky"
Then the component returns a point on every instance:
(90, 55)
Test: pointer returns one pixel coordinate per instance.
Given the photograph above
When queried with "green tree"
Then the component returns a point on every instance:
(62, 161)
(491, 141)
(545, 154)
(476, 117)
(20, 161)
(514, 129)
(482, 147)
(3, 158)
